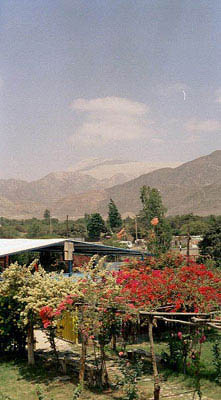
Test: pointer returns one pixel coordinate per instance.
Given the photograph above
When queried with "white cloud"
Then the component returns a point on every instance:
(111, 118)
(110, 105)
(209, 125)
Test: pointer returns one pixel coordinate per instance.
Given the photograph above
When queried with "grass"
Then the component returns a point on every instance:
(209, 388)
(18, 381)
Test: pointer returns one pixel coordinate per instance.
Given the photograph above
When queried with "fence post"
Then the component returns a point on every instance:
(154, 362)
(30, 343)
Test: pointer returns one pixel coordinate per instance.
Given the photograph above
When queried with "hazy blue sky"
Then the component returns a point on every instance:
(130, 79)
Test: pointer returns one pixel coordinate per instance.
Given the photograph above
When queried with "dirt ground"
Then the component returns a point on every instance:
(42, 342)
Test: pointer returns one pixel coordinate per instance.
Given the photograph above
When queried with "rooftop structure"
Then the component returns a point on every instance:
(67, 246)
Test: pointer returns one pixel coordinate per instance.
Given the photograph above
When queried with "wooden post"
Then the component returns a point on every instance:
(67, 227)
(30, 343)
(136, 228)
(154, 362)
(188, 249)
(68, 255)
(114, 342)
(82, 361)
(104, 374)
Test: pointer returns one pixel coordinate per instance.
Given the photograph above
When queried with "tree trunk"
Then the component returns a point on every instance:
(114, 342)
(154, 362)
(30, 342)
(82, 361)
(104, 374)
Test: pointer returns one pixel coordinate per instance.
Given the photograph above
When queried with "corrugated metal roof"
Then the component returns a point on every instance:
(13, 246)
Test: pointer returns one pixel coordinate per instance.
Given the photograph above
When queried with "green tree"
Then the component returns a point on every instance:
(194, 228)
(95, 226)
(8, 232)
(159, 236)
(211, 243)
(114, 217)
(47, 215)
(34, 230)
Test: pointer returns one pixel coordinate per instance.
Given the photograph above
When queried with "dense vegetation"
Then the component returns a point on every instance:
(93, 227)
(52, 227)
(109, 305)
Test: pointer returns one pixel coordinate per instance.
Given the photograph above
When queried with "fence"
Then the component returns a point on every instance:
(68, 327)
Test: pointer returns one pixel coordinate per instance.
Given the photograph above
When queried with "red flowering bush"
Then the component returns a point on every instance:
(46, 314)
(188, 288)
(191, 288)
(110, 299)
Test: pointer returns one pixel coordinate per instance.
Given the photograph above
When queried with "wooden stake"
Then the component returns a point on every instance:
(82, 361)
(30, 343)
(154, 362)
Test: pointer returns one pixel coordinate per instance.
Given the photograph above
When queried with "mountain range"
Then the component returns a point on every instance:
(194, 186)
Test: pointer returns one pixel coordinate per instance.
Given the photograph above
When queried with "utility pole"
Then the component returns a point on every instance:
(67, 227)
(188, 247)
(50, 227)
(136, 227)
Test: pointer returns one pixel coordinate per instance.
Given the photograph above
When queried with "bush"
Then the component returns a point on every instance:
(12, 334)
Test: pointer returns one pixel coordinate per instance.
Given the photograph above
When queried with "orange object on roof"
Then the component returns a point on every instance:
(121, 233)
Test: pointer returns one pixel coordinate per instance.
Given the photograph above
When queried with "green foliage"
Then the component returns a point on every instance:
(159, 237)
(95, 226)
(194, 228)
(194, 224)
(4, 397)
(40, 393)
(217, 361)
(34, 230)
(47, 215)
(130, 226)
(152, 205)
(12, 334)
(211, 243)
(77, 392)
(131, 372)
(114, 217)
(8, 232)
(23, 258)
(178, 351)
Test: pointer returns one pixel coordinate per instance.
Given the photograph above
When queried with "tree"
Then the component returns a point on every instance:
(47, 215)
(189, 223)
(114, 217)
(211, 243)
(159, 236)
(194, 228)
(34, 230)
(95, 226)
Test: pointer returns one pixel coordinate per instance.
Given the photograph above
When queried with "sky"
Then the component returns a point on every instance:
(122, 79)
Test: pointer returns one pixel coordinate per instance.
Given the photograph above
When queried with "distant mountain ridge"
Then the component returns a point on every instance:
(194, 186)
(184, 189)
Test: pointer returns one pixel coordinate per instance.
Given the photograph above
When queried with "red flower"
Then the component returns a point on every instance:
(180, 335)
(202, 339)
